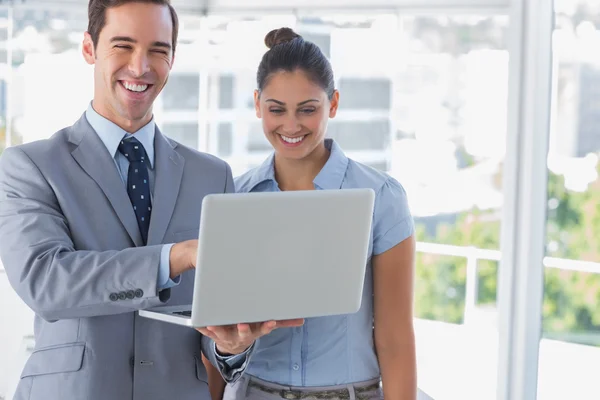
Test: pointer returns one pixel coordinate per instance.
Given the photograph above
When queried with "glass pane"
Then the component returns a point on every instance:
(321, 40)
(184, 133)
(182, 92)
(47, 67)
(225, 139)
(226, 91)
(256, 138)
(450, 127)
(382, 166)
(361, 135)
(361, 93)
(570, 347)
(444, 300)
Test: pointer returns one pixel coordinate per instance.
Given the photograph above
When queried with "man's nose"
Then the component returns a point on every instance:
(139, 65)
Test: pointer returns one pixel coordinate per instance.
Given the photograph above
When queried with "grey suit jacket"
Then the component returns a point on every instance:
(69, 239)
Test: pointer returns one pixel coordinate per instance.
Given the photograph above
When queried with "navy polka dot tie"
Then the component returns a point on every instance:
(138, 184)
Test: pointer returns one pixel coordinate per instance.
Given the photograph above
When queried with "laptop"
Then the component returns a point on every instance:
(277, 256)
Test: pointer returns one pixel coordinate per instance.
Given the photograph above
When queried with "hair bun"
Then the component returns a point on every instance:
(278, 36)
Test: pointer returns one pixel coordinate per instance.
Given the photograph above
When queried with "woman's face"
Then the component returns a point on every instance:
(294, 112)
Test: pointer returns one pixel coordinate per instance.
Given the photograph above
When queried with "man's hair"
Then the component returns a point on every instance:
(97, 16)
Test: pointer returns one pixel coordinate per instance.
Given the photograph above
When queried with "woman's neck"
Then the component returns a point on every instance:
(299, 174)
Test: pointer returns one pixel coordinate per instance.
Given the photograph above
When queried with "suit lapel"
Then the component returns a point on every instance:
(92, 156)
(168, 166)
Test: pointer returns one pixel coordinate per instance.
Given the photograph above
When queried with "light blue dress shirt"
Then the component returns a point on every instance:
(333, 350)
(111, 135)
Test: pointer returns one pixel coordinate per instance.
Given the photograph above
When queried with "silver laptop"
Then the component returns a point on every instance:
(277, 256)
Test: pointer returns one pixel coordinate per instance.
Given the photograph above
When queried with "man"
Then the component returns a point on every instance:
(88, 219)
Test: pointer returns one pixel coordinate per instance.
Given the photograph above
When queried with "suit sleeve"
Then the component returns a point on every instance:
(229, 183)
(53, 278)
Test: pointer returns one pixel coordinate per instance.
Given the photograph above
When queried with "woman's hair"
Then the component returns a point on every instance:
(289, 52)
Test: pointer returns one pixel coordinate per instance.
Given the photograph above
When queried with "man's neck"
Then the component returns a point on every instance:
(129, 126)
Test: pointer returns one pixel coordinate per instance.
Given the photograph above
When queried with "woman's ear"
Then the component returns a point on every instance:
(334, 102)
(257, 104)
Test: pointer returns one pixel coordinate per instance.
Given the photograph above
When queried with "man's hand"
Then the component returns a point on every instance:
(235, 339)
(182, 257)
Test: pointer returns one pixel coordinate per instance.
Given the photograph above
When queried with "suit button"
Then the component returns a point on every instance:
(130, 294)
(122, 296)
(114, 297)
(139, 293)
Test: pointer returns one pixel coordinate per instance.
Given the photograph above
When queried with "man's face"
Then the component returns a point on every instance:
(132, 61)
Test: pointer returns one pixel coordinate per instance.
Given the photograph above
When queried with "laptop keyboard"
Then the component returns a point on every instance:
(186, 313)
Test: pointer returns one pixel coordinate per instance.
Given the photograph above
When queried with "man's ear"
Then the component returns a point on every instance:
(88, 50)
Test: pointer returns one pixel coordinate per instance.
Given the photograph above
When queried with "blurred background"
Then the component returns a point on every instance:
(424, 97)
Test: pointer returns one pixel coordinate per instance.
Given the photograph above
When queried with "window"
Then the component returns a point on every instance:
(256, 138)
(225, 139)
(365, 94)
(226, 91)
(361, 135)
(186, 134)
(181, 92)
(570, 345)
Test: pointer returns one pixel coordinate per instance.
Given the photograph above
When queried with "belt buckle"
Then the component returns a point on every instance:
(291, 395)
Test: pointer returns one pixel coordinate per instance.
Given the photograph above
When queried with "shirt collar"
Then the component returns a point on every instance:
(331, 175)
(333, 172)
(264, 172)
(111, 134)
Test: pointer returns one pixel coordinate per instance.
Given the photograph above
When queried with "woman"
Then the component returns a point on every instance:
(339, 356)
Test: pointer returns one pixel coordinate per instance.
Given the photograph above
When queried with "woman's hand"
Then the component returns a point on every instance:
(235, 339)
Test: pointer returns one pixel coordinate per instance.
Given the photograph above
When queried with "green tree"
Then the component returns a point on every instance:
(570, 300)
(573, 231)
(441, 280)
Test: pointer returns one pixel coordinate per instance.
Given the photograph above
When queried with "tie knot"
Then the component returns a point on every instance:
(132, 149)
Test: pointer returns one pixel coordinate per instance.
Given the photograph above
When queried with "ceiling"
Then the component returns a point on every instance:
(238, 6)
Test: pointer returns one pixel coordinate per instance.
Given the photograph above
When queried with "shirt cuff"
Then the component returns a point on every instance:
(164, 282)
(232, 367)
